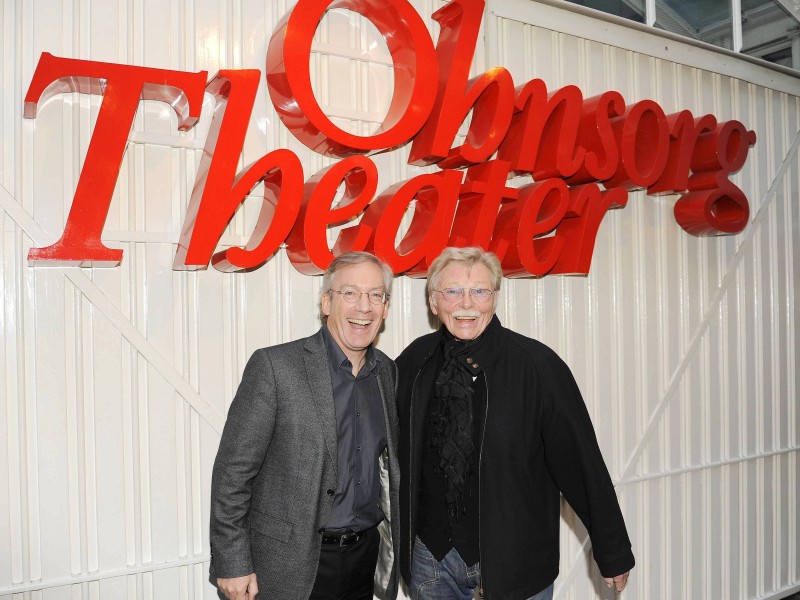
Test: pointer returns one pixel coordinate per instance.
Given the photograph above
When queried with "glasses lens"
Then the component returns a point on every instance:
(349, 295)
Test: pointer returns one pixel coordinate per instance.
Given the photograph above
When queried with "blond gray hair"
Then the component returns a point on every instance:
(467, 257)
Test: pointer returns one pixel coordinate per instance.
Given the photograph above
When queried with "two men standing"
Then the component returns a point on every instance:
(306, 493)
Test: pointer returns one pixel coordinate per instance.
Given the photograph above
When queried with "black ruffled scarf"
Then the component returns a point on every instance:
(452, 421)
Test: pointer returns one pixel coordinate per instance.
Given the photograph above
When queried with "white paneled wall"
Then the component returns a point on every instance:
(114, 383)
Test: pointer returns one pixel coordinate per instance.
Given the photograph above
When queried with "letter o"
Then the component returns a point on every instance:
(643, 135)
(415, 76)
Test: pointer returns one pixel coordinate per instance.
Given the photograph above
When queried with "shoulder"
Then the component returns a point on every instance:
(382, 356)
(313, 342)
(388, 365)
(417, 351)
(287, 354)
(527, 349)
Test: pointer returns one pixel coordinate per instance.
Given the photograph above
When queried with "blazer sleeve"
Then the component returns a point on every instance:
(245, 439)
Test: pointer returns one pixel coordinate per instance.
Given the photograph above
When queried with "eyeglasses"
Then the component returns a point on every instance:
(352, 295)
(456, 294)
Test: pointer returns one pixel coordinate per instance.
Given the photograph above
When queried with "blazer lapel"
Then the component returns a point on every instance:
(319, 380)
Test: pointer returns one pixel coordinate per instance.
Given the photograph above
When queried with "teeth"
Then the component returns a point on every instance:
(359, 321)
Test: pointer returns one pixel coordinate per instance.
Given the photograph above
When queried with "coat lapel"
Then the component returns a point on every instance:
(319, 380)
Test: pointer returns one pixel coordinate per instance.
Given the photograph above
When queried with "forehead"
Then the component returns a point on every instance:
(458, 274)
(365, 275)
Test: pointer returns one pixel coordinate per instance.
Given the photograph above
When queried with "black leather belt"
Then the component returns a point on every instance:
(346, 538)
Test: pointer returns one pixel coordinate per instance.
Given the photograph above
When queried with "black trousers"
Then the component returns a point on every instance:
(347, 572)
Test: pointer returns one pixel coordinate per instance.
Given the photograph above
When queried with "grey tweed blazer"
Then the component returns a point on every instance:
(275, 464)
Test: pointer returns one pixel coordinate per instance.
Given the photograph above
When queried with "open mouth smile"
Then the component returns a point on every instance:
(360, 322)
(465, 316)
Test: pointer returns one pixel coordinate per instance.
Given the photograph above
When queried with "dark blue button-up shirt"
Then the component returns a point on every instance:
(361, 437)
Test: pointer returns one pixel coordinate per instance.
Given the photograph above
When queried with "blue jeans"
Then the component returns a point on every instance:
(450, 578)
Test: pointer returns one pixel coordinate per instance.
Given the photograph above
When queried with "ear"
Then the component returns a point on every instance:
(432, 304)
(325, 303)
(385, 309)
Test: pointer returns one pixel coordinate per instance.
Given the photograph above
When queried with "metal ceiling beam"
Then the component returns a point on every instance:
(792, 7)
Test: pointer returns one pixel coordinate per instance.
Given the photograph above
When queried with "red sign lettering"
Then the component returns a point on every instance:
(582, 156)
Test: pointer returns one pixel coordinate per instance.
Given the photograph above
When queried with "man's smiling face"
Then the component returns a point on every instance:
(464, 318)
(355, 326)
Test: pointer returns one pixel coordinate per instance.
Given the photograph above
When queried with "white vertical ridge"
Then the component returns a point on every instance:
(196, 496)
(794, 549)
(182, 486)
(73, 429)
(15, 411)
(30, 482)
(87, 393)
(143, 410)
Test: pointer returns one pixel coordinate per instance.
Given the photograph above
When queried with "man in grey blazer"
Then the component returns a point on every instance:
(304, 492)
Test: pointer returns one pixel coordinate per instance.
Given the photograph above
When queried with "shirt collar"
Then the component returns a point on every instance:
(338, 359)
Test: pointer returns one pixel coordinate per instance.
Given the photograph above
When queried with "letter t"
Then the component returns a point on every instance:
(122, 86)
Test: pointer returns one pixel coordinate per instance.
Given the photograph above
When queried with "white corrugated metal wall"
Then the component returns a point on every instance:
(115, 382)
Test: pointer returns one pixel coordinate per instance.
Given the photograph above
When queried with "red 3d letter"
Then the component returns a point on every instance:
(597, 137)
(643, 138)
(122, 87)
(307, 244)
(578, 230)
(714, 205)
(482, 193)
(289, 79)
(542, 139)
(436, 195)
(282, 174)
(521, 241)
(219, 190)
(490, 96)
(684, 131)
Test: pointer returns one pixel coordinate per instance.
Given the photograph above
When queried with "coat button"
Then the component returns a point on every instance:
(321, 530)
(475, 366)
(330, 492)
(469, 361)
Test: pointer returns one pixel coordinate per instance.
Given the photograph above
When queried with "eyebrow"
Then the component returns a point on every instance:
(380, 288)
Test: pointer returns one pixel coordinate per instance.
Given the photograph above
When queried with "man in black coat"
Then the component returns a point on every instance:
(493, 430)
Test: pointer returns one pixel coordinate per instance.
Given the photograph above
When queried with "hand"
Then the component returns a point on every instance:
(619, 582)
(239, 588)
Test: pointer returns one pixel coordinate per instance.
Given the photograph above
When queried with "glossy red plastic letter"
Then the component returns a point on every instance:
(122, 87)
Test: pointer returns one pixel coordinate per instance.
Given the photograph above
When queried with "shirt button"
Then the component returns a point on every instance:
(358, 414)
(359, 482)
(358, 448)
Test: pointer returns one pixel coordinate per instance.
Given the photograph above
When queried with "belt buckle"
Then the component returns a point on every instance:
(349, 538)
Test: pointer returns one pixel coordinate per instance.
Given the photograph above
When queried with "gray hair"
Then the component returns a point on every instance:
(349, 259)
(467, 257)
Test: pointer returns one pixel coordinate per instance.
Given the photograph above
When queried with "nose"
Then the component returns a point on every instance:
(466, 299)
(363, 303)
